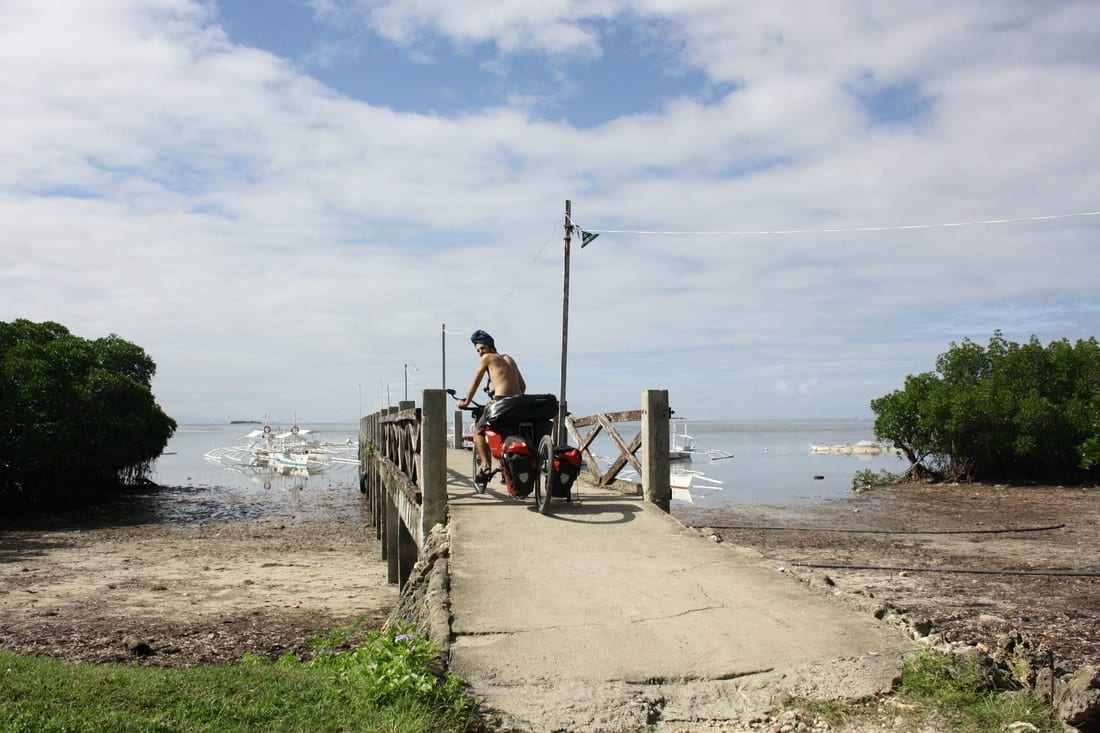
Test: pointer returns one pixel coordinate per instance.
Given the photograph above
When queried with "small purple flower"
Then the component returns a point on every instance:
(402, 637)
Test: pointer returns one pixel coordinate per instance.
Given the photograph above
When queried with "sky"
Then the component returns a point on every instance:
(302, 208)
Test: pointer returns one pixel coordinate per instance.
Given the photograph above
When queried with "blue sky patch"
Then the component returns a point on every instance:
(639, 72)
(895, 104)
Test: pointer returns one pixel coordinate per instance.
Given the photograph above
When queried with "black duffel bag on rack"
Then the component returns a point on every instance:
(522, 408)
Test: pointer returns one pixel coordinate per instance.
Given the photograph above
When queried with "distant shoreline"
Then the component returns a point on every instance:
(245, 422)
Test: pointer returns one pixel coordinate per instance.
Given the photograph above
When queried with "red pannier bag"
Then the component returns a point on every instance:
(567, 465)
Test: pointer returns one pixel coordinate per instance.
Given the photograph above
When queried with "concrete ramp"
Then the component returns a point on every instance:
(610, 616)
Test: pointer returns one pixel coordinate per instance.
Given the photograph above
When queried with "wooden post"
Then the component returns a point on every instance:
(458, 429)
(433, 459)
(392, 544)
(655, 437)
(559, 424)
(376, 477)
(405, 405)
(391, 520)
(363, 440)
(406, 555)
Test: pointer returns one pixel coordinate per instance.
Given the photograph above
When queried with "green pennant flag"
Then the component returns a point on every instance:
(587, 237)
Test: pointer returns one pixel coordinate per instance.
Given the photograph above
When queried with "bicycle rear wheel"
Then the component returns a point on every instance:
(545, 475)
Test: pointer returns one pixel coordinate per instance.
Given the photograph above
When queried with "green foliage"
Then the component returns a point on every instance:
(1009, 411)
(868, 478)
(75, 414)
(938, 692)
(964, 690)
(395, 665)
(44, 695)
(1090, 449)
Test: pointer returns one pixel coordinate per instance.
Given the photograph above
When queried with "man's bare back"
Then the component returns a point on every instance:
(503, 372)
(504, 375)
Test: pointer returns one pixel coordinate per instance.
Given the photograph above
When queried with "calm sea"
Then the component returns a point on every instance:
(196, 489)
(771, 464)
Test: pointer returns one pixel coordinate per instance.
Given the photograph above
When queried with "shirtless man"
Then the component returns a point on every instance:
(506, 380)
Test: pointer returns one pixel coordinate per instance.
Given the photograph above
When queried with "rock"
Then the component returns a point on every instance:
(1021, 656)
(1021, 727)
(425, 601)
(137, 648)
(1077, 699)
(921, 626)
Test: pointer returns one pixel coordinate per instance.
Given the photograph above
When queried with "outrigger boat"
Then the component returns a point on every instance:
(682, 446)
(284, 452)
(862, 448)
(685, 484)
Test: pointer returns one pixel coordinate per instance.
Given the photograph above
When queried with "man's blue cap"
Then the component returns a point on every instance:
(480, 337)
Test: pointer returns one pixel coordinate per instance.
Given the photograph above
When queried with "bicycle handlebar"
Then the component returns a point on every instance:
(470, 404)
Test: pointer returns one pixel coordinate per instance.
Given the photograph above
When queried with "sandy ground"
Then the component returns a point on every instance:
(111, 584)
(98, 586)
(975, 563)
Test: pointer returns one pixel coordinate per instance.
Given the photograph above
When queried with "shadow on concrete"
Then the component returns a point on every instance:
(592, 512)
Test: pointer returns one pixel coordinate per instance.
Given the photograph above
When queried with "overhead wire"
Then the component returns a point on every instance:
(519, 280)
(838, 230)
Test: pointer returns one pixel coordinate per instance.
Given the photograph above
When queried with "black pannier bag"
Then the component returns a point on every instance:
(522, 408)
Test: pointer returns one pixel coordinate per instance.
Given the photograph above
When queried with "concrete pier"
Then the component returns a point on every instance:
(608, 615)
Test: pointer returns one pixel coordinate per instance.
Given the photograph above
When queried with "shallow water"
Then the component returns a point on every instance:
(198, 490)
(772, 464)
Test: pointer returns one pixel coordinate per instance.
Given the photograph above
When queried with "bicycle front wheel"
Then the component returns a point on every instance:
(545, 475)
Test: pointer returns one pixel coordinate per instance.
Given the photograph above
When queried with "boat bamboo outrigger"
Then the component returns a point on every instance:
(285, 452)
(682, 446)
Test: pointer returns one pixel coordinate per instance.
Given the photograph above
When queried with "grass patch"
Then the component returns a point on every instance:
(959, 693)
(387, 684)
(866, 479)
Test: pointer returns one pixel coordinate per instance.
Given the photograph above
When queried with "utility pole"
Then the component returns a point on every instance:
(559, 424)
(443, 346)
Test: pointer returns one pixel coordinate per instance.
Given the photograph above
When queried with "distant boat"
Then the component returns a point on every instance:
(682, 446)
(282, 451)
(861, 448)
(685, 483)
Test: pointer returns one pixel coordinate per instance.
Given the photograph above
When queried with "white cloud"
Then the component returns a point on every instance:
(278, 246)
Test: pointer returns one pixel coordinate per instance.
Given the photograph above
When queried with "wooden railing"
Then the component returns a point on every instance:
(597, 423)
(403, 459)
(653, 436)
(403, 456)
